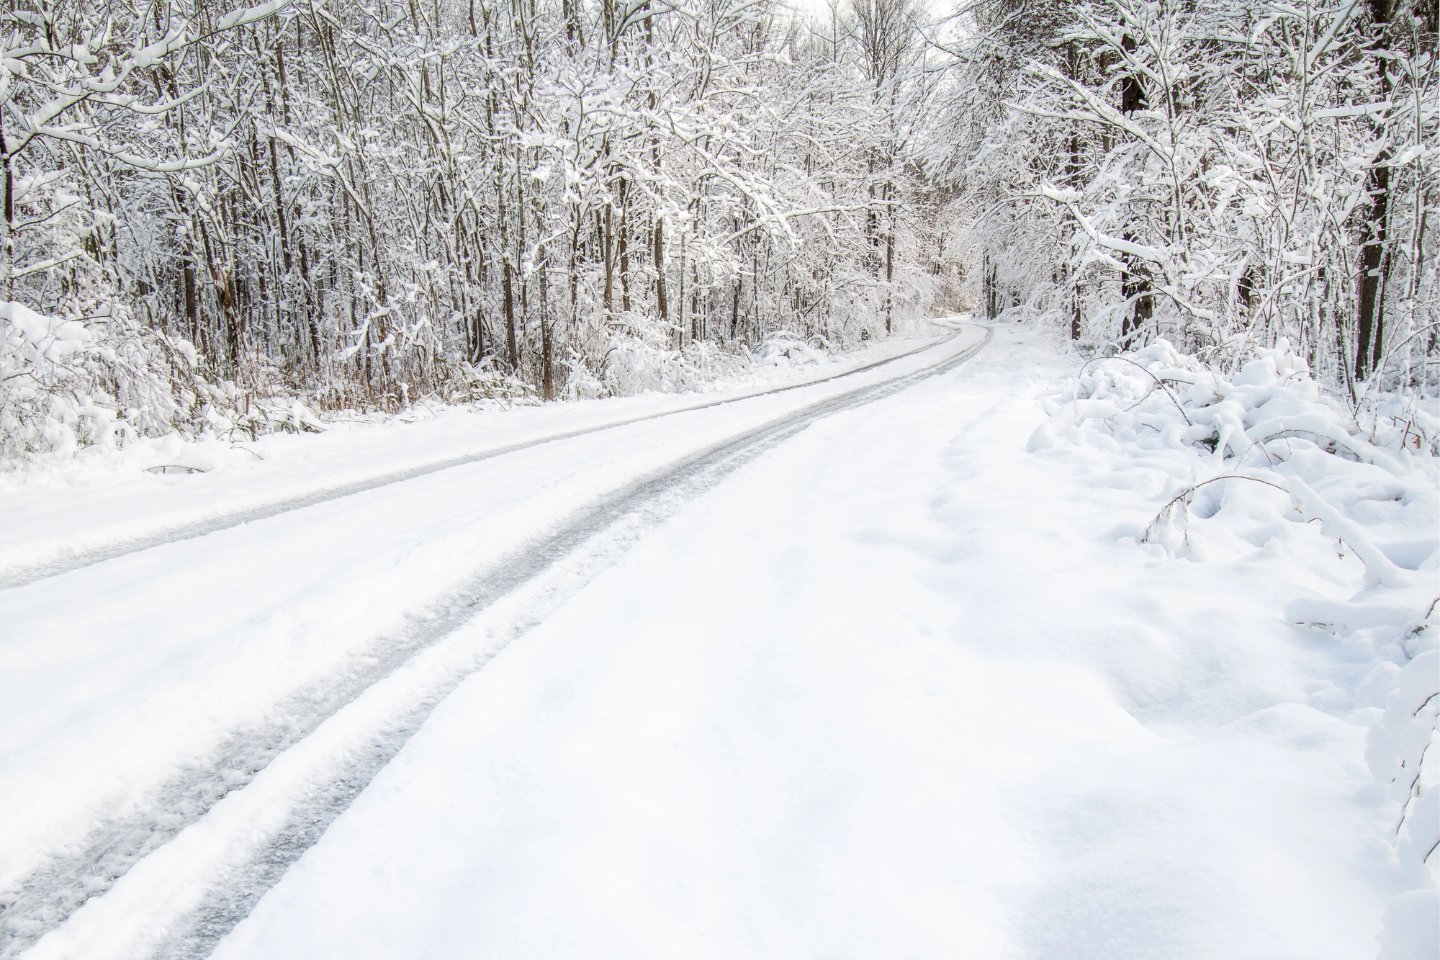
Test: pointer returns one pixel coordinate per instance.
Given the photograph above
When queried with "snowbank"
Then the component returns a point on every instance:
(1264, 464)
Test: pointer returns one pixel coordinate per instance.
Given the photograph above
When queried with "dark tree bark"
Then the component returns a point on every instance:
(1137, 286)
(661, 302)
(1370, 302)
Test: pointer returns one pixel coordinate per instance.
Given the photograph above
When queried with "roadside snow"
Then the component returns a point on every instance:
(904, 687)
(52, 512)
(1262, 464)
(429, 428)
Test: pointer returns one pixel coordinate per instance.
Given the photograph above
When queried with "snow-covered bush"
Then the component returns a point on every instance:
(73, 385)
(1262, 460)
(68, 384)
(636, 364)
(485, 381)
(786, 349)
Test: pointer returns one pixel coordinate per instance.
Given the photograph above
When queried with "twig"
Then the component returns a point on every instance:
(1158, 382)
(1188, 492)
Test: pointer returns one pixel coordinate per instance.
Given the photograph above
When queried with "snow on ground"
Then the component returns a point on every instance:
(49, 512)
(900, 687)
(118, 677)
(430, 427)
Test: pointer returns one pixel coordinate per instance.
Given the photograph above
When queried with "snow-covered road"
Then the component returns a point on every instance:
(45, 535)
(185, 651)
(840, 672)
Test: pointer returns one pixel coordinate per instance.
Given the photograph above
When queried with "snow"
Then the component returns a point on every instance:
(911, 683)
(105, 497)
(48, 337)
(951, 716)
(123, 677)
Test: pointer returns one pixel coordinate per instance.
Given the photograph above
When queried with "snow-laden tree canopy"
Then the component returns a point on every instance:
(208, 206)
(363, 203)
(1218, 174)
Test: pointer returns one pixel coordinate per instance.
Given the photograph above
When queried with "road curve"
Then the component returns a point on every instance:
(325, 743)
(64, 561)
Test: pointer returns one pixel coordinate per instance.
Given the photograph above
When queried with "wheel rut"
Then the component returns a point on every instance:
(190, 530)
(358, 720)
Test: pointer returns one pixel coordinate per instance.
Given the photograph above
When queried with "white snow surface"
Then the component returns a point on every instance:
(52, 511)
(909, 684)
(118, 677)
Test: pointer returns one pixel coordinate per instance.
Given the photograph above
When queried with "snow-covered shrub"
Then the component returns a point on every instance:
(68, 384)
(1263, 457)
(72, 385)
(581, 381)
(784, 349)
(485, 381)
(232, 414)
(635, 365)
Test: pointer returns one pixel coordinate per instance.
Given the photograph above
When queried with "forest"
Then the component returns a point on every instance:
(218, 217)
(719, 479)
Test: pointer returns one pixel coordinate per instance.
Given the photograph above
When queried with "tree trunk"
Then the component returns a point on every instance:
(661, 303)
(1136, 285)
(623, 247)
(1370, 304)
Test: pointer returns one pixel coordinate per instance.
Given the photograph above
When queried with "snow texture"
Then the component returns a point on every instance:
(973, 670)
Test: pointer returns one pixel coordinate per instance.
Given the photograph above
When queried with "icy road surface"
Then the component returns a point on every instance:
(839, 672)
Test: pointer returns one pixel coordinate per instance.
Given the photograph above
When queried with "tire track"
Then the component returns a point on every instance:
(189, 530)
(545, 572)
